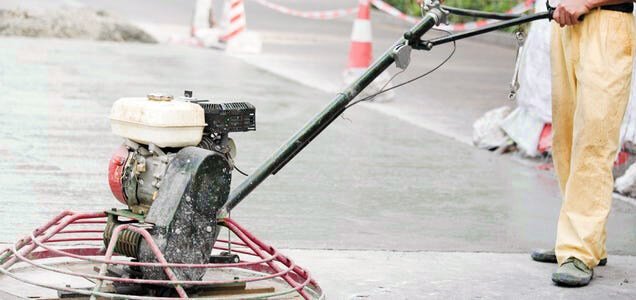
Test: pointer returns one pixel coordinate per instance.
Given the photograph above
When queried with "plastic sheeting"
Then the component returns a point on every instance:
(626, 184)
(487, 133)
(628, 130)
(524, 127)
(534, 97)
(534, 73)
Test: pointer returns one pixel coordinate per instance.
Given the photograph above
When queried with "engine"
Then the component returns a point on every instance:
(173, 172)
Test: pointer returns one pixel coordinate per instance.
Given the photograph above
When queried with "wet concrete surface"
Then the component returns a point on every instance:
(371, 182)
(314, 53)
(454, 275)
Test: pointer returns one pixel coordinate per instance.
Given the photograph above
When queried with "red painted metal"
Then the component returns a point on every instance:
(285, 260)
(43, 233)
(153, 247)
(116, 172)
(250, 241)
(261, 258)
(77, 251)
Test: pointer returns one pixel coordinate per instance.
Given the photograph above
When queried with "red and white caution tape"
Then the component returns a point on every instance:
(317, 15)
(383, 6)
(184, 41)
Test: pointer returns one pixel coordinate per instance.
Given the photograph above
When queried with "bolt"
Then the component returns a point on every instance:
(208, 229)
(178, 231)
(188, 198)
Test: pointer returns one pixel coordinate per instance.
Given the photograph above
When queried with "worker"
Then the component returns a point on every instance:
(591, 60)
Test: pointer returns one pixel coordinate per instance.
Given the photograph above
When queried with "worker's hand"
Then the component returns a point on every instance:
(569, 11)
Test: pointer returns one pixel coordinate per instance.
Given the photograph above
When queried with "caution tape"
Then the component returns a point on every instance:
(317, 15)
(184, 41)
(383, 6)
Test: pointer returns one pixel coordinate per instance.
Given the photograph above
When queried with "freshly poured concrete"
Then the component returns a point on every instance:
(376, 206)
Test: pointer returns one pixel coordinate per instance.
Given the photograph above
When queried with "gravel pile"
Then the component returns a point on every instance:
(80, 23)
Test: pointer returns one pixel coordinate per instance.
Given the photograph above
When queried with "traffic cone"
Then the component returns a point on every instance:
(234, 15)
(235, 36)
(360, 52)
(361, 57)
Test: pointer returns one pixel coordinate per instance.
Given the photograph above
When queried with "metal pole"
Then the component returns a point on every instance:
(488, 28)
(480, 14)
(319, 122)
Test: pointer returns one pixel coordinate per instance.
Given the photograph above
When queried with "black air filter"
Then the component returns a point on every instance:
(229, 117)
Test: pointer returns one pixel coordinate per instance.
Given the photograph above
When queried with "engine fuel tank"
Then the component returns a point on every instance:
(158, 120)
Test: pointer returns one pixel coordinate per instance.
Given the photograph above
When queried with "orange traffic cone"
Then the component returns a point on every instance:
(361, 57)
(361, 38)
(235, 35)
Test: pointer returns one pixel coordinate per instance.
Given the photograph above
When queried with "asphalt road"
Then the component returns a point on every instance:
(373, 184)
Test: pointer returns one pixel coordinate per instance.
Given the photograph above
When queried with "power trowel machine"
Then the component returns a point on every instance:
(173, 173)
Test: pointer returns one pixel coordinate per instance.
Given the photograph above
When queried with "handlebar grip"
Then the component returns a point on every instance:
(552, 9)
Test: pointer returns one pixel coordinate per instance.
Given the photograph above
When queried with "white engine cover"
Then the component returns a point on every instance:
(170, 123)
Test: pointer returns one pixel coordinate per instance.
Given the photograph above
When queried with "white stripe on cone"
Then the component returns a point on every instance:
(361, 31)
(234, 19)
(239, 9)
(237, 25)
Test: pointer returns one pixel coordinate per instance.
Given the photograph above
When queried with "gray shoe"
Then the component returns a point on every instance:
(548, 256)
(573, 272)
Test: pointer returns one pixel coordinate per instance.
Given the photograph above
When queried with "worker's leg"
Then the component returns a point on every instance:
(604, 246)
(563, 99)
(603, 77)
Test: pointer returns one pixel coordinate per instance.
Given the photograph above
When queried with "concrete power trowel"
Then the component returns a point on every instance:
(173, 173)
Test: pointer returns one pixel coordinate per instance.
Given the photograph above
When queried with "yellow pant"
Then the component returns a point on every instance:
(591, 77)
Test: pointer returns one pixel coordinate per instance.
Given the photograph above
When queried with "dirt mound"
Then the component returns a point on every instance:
(80, 23)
